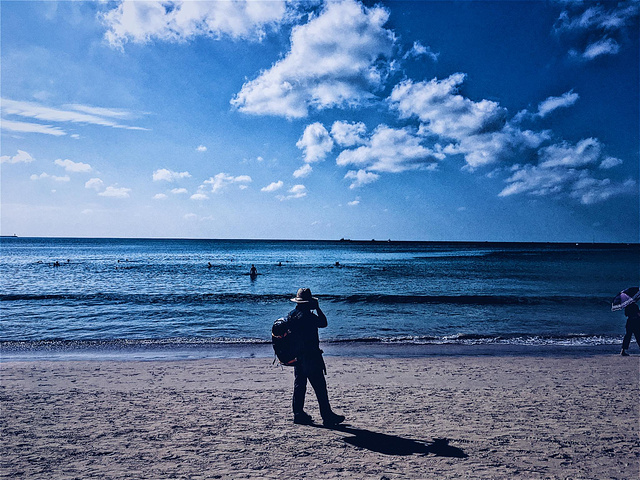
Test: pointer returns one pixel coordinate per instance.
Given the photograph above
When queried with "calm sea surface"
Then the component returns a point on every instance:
(163, 292)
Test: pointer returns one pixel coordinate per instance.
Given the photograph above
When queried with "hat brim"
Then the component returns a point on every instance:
(302, 300)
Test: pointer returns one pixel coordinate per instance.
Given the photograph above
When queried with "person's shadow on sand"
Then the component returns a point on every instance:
(394, 445)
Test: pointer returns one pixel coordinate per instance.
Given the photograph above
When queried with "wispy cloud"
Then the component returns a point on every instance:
(338, 59)
(597, 30)
(222, 180)
(555, 181)
(20, 157)
(100, 111)
(585, 152)
(140, 22)
(48, 114)
(179, 191)
(606, 46)
(419, 50)
(553, 103)
(565, 169)
(201, 148)
(28, 127)
(609, 16)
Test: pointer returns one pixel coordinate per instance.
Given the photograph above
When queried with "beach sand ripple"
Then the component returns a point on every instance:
(433, 417)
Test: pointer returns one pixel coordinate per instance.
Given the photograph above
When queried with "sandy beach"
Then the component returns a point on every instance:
(433, 417)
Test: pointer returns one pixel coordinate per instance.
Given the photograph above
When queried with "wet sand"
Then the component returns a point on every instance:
(434, 417)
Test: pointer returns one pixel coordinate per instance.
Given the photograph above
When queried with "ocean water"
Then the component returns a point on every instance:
(146, 292)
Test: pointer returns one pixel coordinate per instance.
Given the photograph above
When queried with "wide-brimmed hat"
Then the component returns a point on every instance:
(303, 296)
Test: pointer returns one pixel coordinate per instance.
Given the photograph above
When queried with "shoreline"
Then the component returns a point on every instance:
(106, 351)
(482, 417)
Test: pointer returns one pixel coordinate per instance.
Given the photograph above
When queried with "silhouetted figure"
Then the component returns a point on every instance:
(310, 364)
(633, 327)
(253, 271)
(209, 265)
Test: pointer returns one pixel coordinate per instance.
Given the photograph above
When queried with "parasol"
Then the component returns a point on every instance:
(625, 298)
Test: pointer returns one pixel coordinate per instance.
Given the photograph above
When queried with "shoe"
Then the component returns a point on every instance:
(302, 419)
(333, 420)
(624, 353)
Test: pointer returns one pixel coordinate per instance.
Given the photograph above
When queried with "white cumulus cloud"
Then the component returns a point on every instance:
(297, 191)
(94, 183)
(55, 178)
(443, 111)
(347, 134)
(201, 148)
(338, 59)
(610, 162)
(74, 167)
(390, 150)
(304, 171)
(115, 192)
(315, 142)
(164, 174)
(273, 186)
(144, 21)
(478, 130)
(20, 157)
(199, 197)
(179, 191)
(361, 177)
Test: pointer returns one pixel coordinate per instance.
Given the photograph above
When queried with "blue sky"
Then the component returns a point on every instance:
(409, 120)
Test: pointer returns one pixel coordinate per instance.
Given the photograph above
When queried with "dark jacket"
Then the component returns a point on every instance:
(633, 316)
(306, 326)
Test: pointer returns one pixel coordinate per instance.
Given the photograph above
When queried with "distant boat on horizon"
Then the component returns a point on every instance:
(9, 236)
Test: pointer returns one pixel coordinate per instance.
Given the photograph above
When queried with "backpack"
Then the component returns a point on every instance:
(285, 341)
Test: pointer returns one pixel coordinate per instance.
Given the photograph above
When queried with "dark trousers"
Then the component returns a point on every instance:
(312, 371)
(632, 329)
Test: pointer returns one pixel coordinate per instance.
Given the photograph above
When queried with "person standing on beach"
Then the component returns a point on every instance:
(310, 364)
(633, 327)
